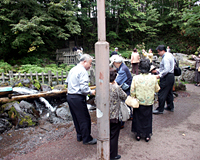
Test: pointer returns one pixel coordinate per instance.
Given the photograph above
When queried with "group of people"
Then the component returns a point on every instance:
(122, 84)
(79, 50)
(135, 59)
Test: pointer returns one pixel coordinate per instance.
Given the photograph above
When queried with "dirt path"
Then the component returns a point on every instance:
(175, 137)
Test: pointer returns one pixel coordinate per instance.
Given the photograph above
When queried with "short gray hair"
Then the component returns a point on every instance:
(85, 57)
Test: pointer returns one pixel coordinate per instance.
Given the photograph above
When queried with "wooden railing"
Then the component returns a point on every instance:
(42, 77)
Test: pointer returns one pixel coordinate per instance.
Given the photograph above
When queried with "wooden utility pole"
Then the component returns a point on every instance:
(102, 85)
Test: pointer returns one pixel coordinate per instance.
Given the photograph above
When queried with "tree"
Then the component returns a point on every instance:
(30, 26)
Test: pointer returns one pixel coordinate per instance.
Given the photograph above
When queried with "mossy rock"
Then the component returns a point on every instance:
(26, 122)
(12, 113)
(34, 84)
(4, 84)
(7, 106)
(60, 87)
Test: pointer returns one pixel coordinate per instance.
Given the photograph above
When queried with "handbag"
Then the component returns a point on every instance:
(125, 86)
(132, 102)
(124, 112)
(177, 70)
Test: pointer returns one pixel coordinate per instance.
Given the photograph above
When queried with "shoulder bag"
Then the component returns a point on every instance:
(124, 111)
(132, 102)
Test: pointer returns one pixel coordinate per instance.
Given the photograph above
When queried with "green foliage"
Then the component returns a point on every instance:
(40, 27)
(35, 27)
(198, 50)
(126, 54)
(5, 67)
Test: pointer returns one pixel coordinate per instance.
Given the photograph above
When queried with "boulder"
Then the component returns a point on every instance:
(64, 112)
(179, 86)
(187, 75)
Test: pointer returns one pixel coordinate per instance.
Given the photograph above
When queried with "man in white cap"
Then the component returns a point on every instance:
(114, 52)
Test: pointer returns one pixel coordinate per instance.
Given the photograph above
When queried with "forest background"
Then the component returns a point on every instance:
(32, 30)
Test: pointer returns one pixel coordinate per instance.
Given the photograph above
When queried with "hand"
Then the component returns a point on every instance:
(157, 76)
(154, 71)
(93, 92)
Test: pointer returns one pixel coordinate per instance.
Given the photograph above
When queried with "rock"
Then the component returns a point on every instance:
(4, 125)
(18, 109)
(64, 112)
(45, 87)
(7, 106)
(187, 75)
(25, 105)
(56, 120)
(180, 86)
(60, 87)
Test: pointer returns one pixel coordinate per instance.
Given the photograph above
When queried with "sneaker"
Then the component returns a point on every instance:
(117, 157)
(93, 141)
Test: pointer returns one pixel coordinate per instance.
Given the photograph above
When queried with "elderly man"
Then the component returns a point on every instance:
(166, 75)
(78, 88)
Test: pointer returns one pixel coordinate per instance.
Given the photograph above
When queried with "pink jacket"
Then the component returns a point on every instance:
(135, 58)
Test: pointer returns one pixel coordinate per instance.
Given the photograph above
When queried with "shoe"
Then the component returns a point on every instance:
(117, 157)
(157, 112)
(147, 139)
(169, 109)
(122, 127)
(131, 118)
(137, 138)
(93, 141)
(79, 139)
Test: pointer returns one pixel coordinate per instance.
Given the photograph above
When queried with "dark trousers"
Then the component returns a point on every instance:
(135, 68)
(81, 116)
(165, 93)
(114, 136)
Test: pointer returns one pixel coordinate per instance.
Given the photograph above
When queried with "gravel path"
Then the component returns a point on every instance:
(175, 137)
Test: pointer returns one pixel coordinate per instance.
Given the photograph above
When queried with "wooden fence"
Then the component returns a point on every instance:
(43, 77)
(67, 56)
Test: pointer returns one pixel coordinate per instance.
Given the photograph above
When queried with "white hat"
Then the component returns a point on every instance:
(116, 48)
(115, 58)
(152, 68)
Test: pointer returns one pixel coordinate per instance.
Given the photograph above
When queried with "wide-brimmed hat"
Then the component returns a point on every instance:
(152, 68)
(115, 58)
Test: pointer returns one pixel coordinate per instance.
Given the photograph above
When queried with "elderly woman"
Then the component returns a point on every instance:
(197, 72)
(124, 77)
(143, 87)
(116, 95)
